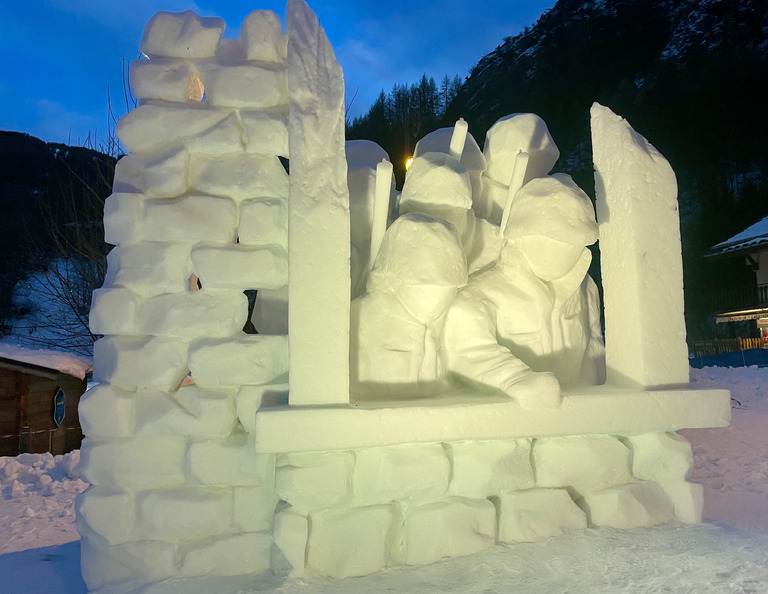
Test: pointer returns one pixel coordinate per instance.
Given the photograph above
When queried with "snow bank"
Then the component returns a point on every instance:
(748, 385)
(37, 504)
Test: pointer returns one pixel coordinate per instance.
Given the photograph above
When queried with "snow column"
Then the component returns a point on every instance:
(640, 256)
(176, 486)
(319, 252)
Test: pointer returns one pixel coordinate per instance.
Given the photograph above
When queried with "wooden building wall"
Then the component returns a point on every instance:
(26, 412)
(9, 414)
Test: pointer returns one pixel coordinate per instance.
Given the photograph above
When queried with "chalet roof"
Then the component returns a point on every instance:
(44, 360)
(752, 238)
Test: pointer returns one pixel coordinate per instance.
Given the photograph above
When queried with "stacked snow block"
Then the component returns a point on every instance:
(351, 513)
(176, 486)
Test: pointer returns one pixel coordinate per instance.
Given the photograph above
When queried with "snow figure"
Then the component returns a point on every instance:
(362, 158)
(396, 325)
(505, 140)
(531, 321)
(439, 185)
(466, 150)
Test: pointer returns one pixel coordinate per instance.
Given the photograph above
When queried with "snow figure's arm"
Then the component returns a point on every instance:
(473, 354)
(595, 355)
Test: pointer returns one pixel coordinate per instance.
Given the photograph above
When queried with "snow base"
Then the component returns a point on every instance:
(350, 513)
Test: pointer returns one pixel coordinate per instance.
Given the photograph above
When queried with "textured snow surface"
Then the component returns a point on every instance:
(39, 550)
(37, 494)
(732, 462)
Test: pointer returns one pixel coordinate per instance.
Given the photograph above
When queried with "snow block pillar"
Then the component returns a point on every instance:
(318, 219)
(641, 260)
(198, 217)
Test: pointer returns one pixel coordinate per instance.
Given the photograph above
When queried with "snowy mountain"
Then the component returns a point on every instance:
(624, 52)
(690, 75)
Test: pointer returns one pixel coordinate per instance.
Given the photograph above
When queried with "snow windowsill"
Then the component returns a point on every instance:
(595, 410)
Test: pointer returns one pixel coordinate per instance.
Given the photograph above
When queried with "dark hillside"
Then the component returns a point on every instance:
(690, 75)
(44, 186)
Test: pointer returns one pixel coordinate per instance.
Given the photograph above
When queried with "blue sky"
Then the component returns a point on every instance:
(59, 57)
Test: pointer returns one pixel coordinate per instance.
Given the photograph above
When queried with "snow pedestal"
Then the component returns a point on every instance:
(214, 452)
(414, 503)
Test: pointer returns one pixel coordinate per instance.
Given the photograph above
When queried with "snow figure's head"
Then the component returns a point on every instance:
(551, 220)
(422, 263)
(437, 184)
(439, 141)
(511, 134)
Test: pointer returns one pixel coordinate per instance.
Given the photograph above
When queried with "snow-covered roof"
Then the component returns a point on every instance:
(73, 365)
(752, 237)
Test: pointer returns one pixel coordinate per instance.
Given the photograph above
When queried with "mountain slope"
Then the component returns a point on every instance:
(49, 193)
(690, 75)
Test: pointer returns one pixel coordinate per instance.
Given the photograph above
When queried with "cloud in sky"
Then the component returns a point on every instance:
(380, 46)
(66, 53)
(117, 14)
(55, 118)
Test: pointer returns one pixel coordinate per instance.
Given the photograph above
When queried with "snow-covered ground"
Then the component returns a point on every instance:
(39, 548)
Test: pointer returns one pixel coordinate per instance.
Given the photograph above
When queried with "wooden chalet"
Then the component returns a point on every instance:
(748, 302)
(39, 396)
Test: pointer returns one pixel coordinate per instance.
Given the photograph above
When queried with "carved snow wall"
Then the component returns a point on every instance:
(205, 456)
(176, 485)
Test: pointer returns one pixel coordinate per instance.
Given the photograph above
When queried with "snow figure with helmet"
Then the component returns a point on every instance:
(528, 319)
(532, 321)
(396, 326)
(439, 185)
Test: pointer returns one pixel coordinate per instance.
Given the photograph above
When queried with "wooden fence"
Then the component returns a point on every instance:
(704, 348)
(59, 440)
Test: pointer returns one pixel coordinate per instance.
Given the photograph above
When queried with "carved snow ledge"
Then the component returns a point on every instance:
(606, 410)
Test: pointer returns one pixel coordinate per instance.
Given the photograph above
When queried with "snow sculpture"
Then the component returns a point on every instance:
(450, 405)
(533, 319)
(363, 160)
(176, 486)
(397, 325)
(466, 151)
(510, 141)
(319, 202)
(439, 185)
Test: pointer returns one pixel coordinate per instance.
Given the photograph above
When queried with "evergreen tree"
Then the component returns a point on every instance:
(398, 119)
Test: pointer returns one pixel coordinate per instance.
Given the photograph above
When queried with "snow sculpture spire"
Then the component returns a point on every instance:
(380, 207)
(641, 256)
(458, 139)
